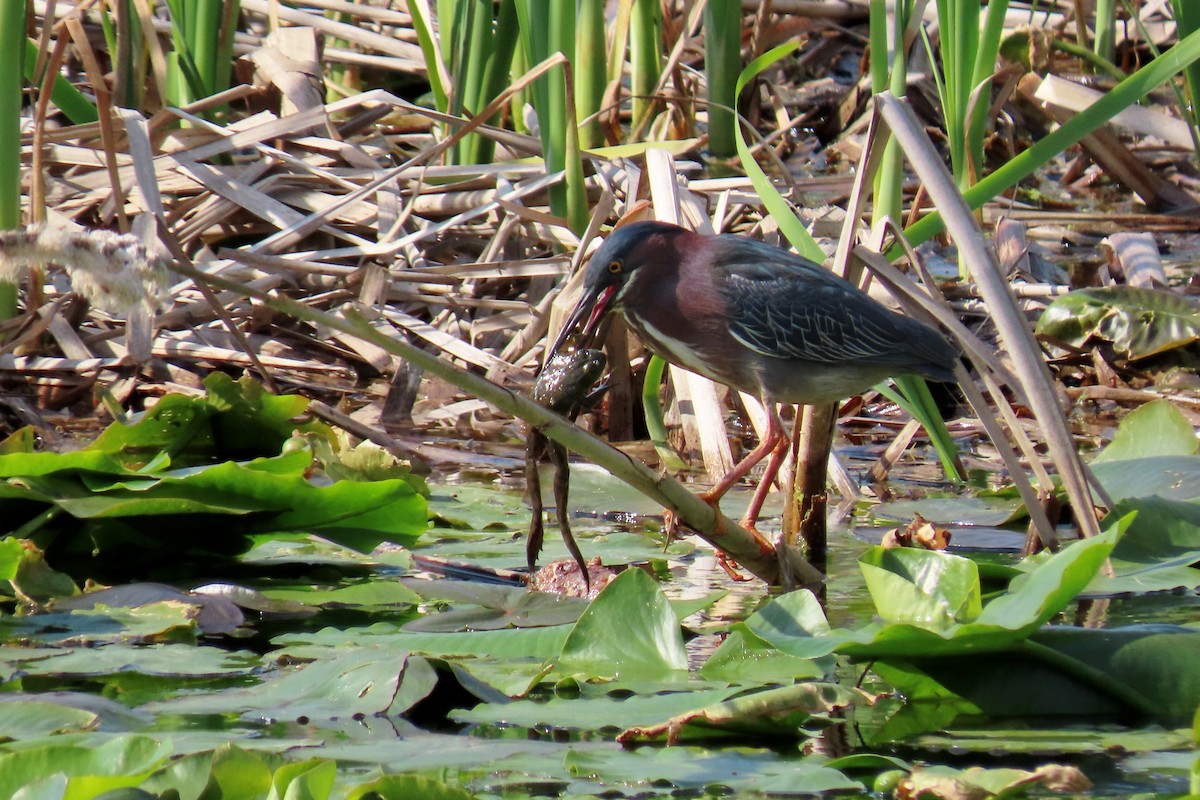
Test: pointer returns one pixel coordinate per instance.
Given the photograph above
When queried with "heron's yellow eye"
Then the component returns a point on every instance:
(614, 267)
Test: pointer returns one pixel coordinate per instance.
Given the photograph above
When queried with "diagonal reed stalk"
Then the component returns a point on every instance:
(749, 549)
(1014, 329)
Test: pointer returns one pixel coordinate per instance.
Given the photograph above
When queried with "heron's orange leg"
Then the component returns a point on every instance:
(768, 445)
(778, 456)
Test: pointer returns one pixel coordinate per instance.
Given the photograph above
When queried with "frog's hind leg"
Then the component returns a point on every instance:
(562, 487)
(536, 448)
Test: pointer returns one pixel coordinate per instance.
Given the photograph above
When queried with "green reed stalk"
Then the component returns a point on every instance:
(1106, 25)
(340, 77)
(12, 42)
(470, 50)
(722, 65)
(656, 428)
(889, 70)
(645, 57)
(200, 65)
(959, 38)
(204, 48)
(591, 70)
(123, 37)
(1187, 21)
(503, 33)
(981, 76)
(967, 64)
(422, 17)
(522, 98)
(548, 26)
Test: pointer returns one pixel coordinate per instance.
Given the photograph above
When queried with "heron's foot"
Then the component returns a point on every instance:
(731, 567)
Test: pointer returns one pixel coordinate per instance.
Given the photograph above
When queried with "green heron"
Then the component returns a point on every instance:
(756, 318)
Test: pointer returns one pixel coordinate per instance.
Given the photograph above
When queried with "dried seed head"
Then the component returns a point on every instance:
(115, 271)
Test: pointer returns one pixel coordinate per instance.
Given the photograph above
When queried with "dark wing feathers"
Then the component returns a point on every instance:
(784, 306)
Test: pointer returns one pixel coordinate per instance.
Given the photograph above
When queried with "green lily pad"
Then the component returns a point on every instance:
(1012, 617)
(629, 629)
(494, 607)
(364, 683)
(1155, 429)
(117, 763)
(595, 713)
(365, 594)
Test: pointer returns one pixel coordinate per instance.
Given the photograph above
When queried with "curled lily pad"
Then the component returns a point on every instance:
(1137, 323)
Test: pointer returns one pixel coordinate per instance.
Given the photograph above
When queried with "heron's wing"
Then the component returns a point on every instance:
(784, 306)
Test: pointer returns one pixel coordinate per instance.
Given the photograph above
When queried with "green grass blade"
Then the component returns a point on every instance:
(66, 97)
(496, 71)
(204, 39)
(1187, 21)
(879, 45)
(1106, 25)
(548, 26)
(473, 52)
(645, 56)
(915, 398)
(423, 25)
(776, 206)
(985, 66)
(185, 82)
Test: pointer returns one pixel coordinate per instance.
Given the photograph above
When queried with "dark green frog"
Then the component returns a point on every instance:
(563, 386)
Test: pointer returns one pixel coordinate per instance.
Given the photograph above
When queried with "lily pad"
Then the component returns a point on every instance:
(1138, 323)
(628, 630)
(595, 713)
(1170, 477)
(1155, 429)
(362, 683)
(966, 510)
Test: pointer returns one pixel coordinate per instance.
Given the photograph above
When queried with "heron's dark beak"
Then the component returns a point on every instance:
(594, 306)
